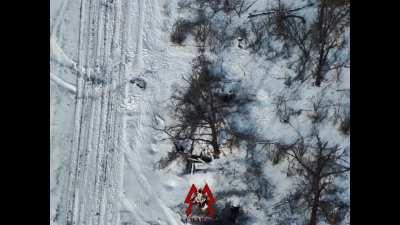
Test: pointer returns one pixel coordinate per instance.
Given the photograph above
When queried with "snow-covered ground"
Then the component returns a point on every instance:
(102, 167)
(104, 150)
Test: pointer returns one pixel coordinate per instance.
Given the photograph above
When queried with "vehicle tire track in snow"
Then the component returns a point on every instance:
(93, 189)
(59, 15)
(91, 193)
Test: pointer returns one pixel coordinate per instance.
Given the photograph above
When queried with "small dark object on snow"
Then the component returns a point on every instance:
(139, 82)
(202, 157)
(234, 213)
(229, 215)
(240, 42)
(228, 98)
(179, 147)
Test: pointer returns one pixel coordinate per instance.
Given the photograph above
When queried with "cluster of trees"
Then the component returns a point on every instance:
(209, 30)
(202, 110)
(203, 107)
(319, 40)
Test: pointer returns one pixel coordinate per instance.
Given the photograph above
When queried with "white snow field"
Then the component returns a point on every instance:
(102, 156)
(104, 148)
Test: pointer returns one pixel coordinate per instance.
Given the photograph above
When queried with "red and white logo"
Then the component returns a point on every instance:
(200, 203)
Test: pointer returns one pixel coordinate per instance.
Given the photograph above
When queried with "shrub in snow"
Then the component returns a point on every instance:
(341, 116)
(180, 31)
(344, 126)
(204, 32)
(283, 110)
(337, 3)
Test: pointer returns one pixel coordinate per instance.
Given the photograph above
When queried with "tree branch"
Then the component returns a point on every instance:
(274, 11)
(336, 172)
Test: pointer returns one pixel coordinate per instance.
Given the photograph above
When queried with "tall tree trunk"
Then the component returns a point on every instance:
(188, 168)
(315, 206)
(214, 141)
(90, 194)
(318, 74)
(322, 35)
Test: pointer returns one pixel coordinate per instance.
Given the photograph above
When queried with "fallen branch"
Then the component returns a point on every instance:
(274, 11)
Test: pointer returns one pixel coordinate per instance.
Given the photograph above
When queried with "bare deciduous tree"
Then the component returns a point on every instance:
(283, 111)
(202, 108)
(316, 165)
(326, 33)
(319, 41)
